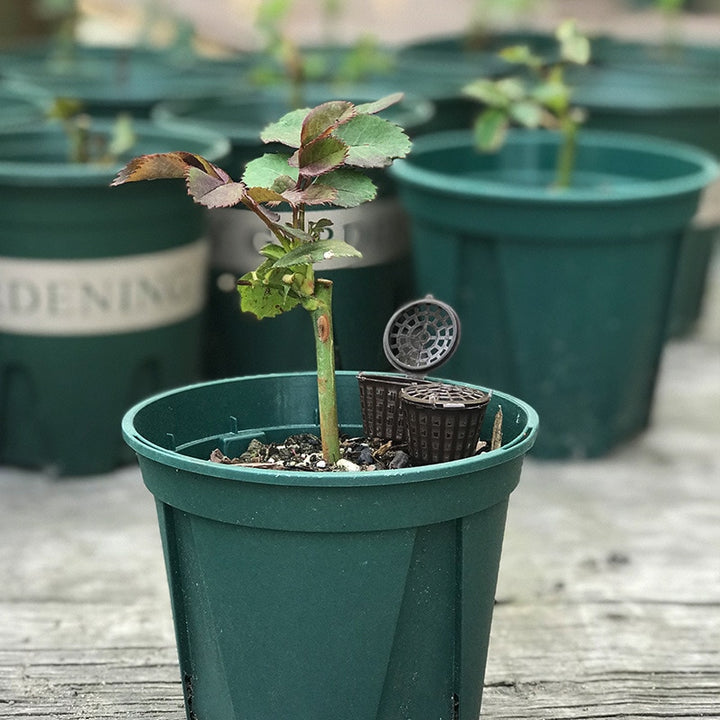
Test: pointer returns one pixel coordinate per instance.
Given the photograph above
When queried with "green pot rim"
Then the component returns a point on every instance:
(519, 446)
(208, 143)
(409, 171)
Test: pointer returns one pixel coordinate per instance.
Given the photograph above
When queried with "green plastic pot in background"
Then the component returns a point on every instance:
(676, 107)
(318, 596)
(16, 109)
(108, 81)
(666, 59)
(564, 294)
(367, 290)
(102, 292)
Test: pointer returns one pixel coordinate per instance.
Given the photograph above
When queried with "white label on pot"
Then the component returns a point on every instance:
(379, 230)
(102, 296)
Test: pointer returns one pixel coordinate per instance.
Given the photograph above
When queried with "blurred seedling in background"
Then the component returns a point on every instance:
(537, 98)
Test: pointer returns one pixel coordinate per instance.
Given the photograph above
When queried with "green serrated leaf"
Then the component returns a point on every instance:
(283, 183)
(574, 46)
(487, 92)
(372, 141)
(287, 130)
(553, 94)
(512, 88)
(352, 187)
(527, 113)
(263, 293)
(314, 252)
(490, 129)
(296, 233)
(273, 251)
(319, 225)
(267, 169)
(576, 50)
(123, 135)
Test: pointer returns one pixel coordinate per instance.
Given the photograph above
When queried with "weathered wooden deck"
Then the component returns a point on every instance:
(608, 600)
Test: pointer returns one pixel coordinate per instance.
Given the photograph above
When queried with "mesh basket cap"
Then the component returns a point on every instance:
(421, 335)
(445, 396)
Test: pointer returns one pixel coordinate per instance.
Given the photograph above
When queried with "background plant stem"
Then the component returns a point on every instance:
(566, 154)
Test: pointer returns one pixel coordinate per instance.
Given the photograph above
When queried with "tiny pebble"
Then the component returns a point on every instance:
(321, 464)
(346, 465)
(401, 460)
(366, 457)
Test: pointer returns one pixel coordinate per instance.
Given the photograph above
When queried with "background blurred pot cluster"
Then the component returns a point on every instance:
(566, 299)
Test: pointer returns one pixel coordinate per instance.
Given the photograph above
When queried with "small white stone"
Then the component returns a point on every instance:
(346, 465)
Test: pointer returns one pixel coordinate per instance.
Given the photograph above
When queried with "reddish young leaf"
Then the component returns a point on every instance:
(265, 195)
(213, 192)
(324, 118)
(313, 195)
(160, 166)
(320, 156)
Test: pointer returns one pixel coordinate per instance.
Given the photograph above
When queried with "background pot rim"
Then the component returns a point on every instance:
(208, 143)
(439, 182)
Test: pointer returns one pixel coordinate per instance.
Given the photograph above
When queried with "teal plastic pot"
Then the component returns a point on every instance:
(109, 81)
(15, 109)
(318, 596)
(102, 293)
(672, 106)
(563, 295)
(676, 107)
(367, 291)
(683, 60)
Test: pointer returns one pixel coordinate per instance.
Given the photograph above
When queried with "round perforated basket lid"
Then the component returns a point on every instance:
(444, 395)
(421, 335)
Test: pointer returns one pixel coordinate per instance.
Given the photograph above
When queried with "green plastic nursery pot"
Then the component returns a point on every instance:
(318, 596)
(367, 290)
(678, 107)
(688, 60)
(102, 292)
(15, 109)
(563, 295)
(108, 81)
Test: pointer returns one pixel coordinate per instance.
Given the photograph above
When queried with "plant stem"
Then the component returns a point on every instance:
(325, 354)
(566, 154)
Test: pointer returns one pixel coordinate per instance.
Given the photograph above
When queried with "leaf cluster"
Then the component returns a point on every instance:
(538, 98)
(328, 148)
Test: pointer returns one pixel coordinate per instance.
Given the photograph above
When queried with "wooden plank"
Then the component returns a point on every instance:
(607, 660)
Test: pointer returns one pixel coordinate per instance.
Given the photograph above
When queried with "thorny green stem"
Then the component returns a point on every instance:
(325, 354)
